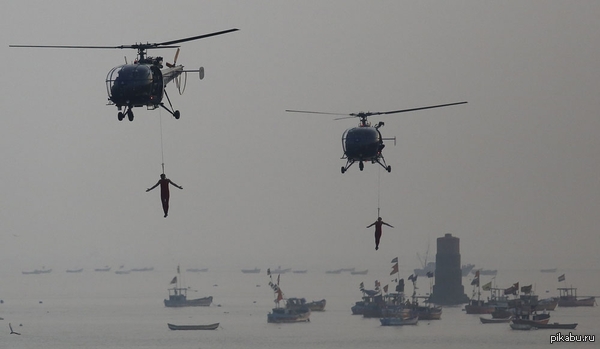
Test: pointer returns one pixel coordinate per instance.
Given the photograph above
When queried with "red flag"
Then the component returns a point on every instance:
(279, 295)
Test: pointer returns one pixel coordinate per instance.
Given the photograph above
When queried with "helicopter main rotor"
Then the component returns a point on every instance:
(141, 47)
(364, 115)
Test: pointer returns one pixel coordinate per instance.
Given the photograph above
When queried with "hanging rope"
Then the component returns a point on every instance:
(378, 191)
(162, 151)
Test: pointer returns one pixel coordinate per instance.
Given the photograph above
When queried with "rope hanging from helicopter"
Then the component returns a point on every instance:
(162, 151)
(378, 192)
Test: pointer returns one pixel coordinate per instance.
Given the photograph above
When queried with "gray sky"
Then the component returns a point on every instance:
(513, 173)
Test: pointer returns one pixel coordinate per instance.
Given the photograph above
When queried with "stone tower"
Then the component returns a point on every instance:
(448, 288)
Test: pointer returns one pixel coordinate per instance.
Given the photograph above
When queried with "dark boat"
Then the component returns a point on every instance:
(298, 303)
(494, 320)
(196, 270)
(178, 298)
(556, 325)
(532, 320)
(399, 321)
(568, 298)
(251, 271)
(103, 269)
(283, 315)
(74, 270)
(360, 272)
(193, 327)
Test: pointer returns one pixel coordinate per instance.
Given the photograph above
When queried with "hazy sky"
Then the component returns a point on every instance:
(514, 173)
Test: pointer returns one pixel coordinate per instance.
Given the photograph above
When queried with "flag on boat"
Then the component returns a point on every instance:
(413, 277)
(561, 278)
(394, 269)
(177, 268)
(395, 260)
(475, 281)
(278, 275)
(174, 281)
(362, 286)
(487, 286)
(385, 288)
(513, 289)
(269, 271)
(526, 289)
(429, 274)
(279, 295)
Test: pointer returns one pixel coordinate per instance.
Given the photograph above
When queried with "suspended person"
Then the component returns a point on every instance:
(378, 223)
(164, 191)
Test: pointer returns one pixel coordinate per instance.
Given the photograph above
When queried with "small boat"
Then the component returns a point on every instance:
(568, 298)
(122, 272)
(74, 270)
(280, 271)
(556, 325)
(37, 271)
(298, 303)
(299, 271)
(107, 268)
(360, 272)
(251, 271)
(284, 315)
(537, 319)
(399, 321)
(522, 327)
(178, 298)
(193, 327)
(495, 321)
(336, 271)
(143, 269)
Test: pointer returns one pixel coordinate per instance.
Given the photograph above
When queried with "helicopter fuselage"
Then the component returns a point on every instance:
(363, 143)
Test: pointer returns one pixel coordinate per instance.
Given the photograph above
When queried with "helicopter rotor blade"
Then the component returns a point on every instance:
(195, 37)
(88, 47)
(414, 109)
(317, 112)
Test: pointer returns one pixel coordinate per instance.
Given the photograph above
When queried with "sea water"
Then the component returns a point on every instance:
(106, 310)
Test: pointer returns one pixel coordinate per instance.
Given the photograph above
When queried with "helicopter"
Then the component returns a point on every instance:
(143, 82)
(365, 143)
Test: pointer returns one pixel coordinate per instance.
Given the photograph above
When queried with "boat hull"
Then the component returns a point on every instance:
(281, 315)
(577, 302)
(399, 321)
(199, 302)
(193, 327)
(494, 321)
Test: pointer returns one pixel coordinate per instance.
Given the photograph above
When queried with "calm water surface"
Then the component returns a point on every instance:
(106, 310)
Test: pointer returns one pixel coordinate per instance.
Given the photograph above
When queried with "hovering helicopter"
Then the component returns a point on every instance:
(143, 82)
(365, 143)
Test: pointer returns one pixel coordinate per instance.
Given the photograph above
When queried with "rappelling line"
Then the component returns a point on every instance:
(162, 151)
(378, 191)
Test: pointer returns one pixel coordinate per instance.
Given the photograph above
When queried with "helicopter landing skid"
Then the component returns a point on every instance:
(380, 160)
(128, 112)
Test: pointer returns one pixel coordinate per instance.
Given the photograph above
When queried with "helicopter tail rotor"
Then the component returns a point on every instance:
(171, 65)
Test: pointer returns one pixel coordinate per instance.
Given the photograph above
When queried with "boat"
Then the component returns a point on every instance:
(143, 269)
(553, 270)
(280, 271)
(300, 271)
(534, 319)
(494, 320)
(399, 321)
(37, 271)
(429, 312)
(74, 270)
(107, 268)
(522, 327)
(284, 315)
(295, 313)
(298, 303)
(556, 325)
(251, 271)
(122, 272)
(193, 327)
(485, 272)
(360, 272)
(336, 271)
(568, 298)
(178, 296)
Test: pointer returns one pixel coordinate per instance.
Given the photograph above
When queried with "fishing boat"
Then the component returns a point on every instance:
(399, 321)
(533, 320)
(336, 271)
(360, 272)
(298, 303)
(143, 269)
(193, 327)
(495, 321)
(107, 268)
(178, 296)
(74, 270)
(522, 327)
(568, 298)
(251, 271)
(556, 325)
(284, 314)
(197, 270)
